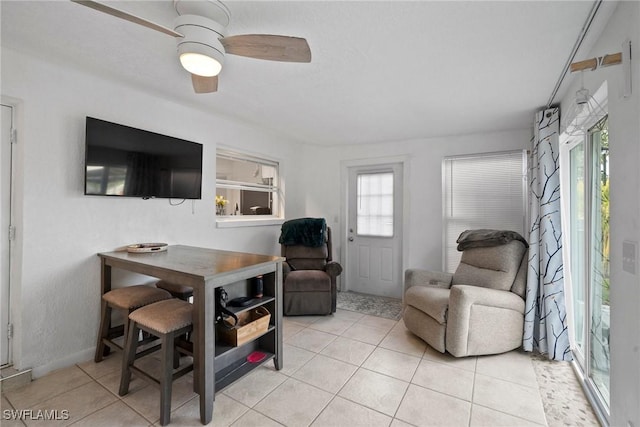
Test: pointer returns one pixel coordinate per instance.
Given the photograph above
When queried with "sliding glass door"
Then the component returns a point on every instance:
(599, 253)
(578, 247)
(589, 256)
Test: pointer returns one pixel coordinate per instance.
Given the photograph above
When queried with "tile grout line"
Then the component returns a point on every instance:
(314, 353)
(119, 399)
(235, 420)
(124, 402)
(471, 402)
(336, 394)
(50, 396)
(13, 408)
(342, 387)
(361, 366)
(473, 390)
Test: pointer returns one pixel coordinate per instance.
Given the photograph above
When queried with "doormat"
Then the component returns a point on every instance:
(389, 308)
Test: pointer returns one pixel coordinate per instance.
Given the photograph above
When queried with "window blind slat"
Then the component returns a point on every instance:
(481, 191)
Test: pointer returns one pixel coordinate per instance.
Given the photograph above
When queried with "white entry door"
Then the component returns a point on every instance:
(5, 222)
(374, 238)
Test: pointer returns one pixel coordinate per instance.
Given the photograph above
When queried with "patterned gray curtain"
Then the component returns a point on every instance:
(545, 321)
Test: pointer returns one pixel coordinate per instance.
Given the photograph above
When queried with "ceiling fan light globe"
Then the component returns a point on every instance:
(200, 64)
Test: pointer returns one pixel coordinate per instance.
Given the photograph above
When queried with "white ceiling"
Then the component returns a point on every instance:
(380, 70)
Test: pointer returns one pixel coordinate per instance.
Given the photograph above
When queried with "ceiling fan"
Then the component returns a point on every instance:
(200, 32)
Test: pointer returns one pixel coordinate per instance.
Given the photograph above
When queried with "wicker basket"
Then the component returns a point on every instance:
(251, 324)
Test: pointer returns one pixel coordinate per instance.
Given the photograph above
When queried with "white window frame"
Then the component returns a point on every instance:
(230, 220)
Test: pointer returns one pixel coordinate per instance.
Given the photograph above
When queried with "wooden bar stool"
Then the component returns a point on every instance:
(125, 299)
(166, 320)
(177, 290)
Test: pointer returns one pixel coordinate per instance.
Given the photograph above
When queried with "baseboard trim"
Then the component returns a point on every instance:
(65, 362)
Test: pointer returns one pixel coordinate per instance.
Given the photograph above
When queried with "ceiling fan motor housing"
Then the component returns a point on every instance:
(201, 37)
(212, 9)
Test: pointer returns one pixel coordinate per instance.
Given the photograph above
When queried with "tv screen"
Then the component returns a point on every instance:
(125, 161)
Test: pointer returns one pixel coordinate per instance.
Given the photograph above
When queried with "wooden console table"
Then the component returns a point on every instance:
(215, 364)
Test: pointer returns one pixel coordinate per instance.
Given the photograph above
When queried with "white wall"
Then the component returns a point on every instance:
(423, 173)
(56, 308)
(624, 151)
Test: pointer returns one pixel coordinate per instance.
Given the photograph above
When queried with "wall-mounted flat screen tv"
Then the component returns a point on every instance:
(125, 161)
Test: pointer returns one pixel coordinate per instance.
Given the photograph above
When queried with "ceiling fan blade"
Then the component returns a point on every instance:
(269, 47)
(127, 16)
(203, 84)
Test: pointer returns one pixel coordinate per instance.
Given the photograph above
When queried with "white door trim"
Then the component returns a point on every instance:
(345, 165)
(17, 201)
(7, 330)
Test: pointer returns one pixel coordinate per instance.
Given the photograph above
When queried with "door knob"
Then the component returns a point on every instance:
(351, 239)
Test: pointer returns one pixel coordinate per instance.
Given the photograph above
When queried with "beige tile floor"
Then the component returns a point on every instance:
(347, 369)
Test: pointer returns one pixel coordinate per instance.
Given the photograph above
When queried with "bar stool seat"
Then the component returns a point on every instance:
(164, 317)
(167, 320)
(127, 300)
(177, 290)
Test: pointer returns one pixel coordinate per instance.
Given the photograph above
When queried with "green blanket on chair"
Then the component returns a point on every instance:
(304, 231)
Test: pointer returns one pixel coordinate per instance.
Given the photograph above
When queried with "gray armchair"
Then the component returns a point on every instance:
(477, 310)
(309, 284)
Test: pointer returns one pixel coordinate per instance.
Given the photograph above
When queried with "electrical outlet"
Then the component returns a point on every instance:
(629, 256)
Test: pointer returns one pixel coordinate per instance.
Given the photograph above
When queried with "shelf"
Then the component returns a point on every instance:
(237, 370)
(222, 348)
(255, 302)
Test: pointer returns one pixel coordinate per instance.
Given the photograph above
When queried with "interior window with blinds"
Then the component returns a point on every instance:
(482, 191)
(246, 185)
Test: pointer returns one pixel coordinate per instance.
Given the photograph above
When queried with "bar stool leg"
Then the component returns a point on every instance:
(129, 357)
(176, 358)
(166, 379)
(125, 332)
(101, 349)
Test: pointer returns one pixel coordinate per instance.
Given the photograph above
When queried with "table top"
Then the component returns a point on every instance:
(193, 261)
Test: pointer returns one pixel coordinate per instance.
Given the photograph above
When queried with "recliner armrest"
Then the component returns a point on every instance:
(286, 268)
(505, 305)
(467, 295)
(333, 269)
(417, 277)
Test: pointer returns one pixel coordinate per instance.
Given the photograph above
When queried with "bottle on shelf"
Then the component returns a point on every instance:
(258, 287)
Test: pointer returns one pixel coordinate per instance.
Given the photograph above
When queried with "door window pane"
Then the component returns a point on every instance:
(600, 312)
(374, 212)
(578, 245)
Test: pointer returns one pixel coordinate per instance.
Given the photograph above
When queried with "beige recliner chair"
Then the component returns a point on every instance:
(480, 308)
